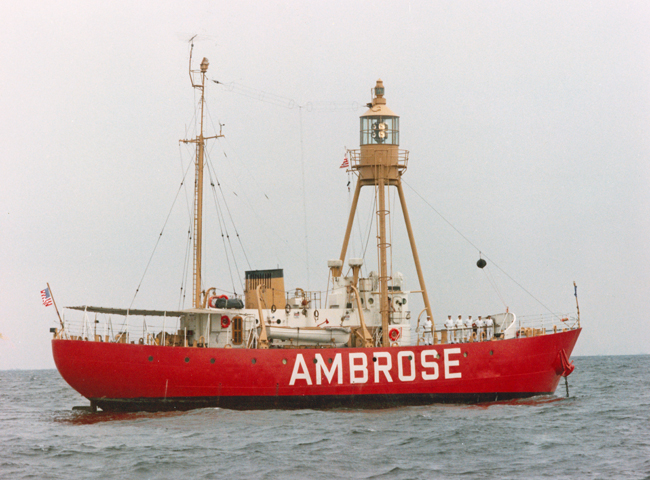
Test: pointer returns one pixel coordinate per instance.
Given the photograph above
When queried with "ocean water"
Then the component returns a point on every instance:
(602, 430)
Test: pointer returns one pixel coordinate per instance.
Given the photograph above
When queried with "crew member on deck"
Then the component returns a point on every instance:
(459, 329)
(480, 329)
(489, 325)
(449, 325)
(468, 329)
(428, 337)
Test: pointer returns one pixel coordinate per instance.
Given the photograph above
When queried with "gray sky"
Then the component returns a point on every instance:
(527, 125)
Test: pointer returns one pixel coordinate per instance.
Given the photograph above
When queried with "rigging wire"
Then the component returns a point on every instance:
(304, 197)
(494, 285)
(477, 249)
(222, 226)
(159, 236)
(373, 207)
(285, 102)
(188, 246)
(186, 266)
(247, 198)
(232, 221)
(221, 219)
(288, 103)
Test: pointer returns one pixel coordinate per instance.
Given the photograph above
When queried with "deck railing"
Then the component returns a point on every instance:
(522, 327)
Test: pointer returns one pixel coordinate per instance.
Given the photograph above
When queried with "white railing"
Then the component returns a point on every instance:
(133, 329)
(532, 325)
(516, 327)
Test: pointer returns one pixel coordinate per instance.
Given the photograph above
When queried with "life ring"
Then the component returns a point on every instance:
(316, 314)
(225, 321)
(287, 308)
(394, 344)
(212, 302)
(393, 334)
(273, 309)
(225, 297)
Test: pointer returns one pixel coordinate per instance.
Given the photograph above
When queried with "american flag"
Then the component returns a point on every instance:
(345, 163)
(46, 297)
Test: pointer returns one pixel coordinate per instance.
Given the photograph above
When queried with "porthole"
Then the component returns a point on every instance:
(187, 359)
(253, 361)
(411, 357)
(278, 321)
(212, 360)
(329, 360)
(464, 354)
(371, 301)
(374, 359)
(491, 352)
(284, 361)
(315, 360)
(151, 358)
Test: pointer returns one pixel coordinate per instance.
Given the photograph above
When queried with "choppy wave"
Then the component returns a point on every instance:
(600, 431)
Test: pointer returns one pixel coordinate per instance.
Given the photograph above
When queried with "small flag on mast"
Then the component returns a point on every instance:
(46, 297)
(345, 163)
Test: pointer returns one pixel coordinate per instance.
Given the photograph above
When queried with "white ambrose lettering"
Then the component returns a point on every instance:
(429, 364)
(385, 368)
(362, 368)
(321, 368)
(451, 363)
(400, 366)
(296, 374)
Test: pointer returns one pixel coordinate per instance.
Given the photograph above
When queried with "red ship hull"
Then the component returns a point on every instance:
(127, 377)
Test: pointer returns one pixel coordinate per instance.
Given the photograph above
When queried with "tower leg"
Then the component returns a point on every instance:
(416, 257)
(353, 211)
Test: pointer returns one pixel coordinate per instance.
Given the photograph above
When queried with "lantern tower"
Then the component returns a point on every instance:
(380, 163)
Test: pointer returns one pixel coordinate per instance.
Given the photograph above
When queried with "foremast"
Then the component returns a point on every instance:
(199, 140)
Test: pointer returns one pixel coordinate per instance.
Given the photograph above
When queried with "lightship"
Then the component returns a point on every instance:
(355, 348)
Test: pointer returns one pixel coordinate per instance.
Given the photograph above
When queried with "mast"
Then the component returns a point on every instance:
(380, 163)
(198, 183)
